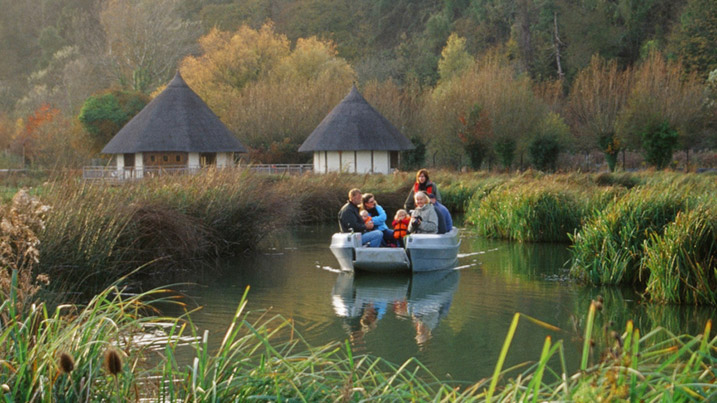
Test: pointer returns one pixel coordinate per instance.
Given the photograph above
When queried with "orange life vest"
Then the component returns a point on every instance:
(400, 227)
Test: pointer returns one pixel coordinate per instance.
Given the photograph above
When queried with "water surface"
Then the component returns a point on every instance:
(454, 322)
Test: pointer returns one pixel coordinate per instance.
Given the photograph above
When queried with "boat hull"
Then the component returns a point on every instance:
(423, 252)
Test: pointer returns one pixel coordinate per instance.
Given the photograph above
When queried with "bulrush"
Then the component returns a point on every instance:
(113, 362)
(67, 363)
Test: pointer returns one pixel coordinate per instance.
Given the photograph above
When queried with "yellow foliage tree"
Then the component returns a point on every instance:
(270, 96)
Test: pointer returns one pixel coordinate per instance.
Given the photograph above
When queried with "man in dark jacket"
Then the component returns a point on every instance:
(350, 221)
(445, 222)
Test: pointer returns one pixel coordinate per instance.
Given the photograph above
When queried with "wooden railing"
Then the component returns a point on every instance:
(113, 174)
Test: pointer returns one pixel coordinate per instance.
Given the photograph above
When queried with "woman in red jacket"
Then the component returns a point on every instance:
(422, 184)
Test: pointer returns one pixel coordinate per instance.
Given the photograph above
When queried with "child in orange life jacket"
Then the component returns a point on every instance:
(400, 225)
(365, 215)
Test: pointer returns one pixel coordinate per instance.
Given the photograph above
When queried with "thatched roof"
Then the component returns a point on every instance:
(355, 125)
(176, 120)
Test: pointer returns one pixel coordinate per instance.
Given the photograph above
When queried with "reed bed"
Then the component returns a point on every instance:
(682, 260)
(608, 249)
(535, 209)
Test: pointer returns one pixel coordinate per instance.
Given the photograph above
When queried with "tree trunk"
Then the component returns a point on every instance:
(556, 43)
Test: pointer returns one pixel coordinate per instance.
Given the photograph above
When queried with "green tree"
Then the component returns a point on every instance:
(454, 58)
(549, 141)
(103, 115)
(659, 142)
(416, 158)
(694, 40)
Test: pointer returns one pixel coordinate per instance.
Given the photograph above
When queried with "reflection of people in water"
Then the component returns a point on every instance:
(425, 299)
(358, 326)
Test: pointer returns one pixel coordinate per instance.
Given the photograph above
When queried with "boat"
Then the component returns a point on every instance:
(422, 252)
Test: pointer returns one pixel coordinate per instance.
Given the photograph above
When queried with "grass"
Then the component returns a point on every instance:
(100, 352)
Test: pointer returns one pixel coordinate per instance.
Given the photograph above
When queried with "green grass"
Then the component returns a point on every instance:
(61, 354)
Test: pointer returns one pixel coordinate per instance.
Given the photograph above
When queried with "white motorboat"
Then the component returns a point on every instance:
(422, 252)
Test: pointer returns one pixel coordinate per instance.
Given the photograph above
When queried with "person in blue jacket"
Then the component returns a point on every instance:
(445, 222)
(350, 221)
(378, 216)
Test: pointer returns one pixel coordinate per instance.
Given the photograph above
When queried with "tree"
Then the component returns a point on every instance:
(476, 136)
(663, 91)
(659, 141)
(596, 98)
(549, 140)
(454, 58)
(145, 41)
(103, 115)
(43, 138)
(694, 40)
(270, 96)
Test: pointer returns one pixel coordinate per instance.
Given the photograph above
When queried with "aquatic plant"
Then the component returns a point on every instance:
(681, 260)
(608, 249)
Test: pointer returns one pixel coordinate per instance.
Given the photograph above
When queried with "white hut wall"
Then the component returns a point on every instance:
(225, 160)
(193, 161)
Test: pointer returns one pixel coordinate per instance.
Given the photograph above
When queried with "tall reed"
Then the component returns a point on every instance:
(608, 248)
(682, 260)
(545, 210)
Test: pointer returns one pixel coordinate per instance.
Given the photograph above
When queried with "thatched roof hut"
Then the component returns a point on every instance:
(175, 128)
(354, 137)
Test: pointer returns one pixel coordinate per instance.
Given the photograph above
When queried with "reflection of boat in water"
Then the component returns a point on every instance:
(364, 298)
(423, 252)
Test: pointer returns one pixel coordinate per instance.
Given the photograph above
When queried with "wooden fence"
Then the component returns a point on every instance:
(113, 174)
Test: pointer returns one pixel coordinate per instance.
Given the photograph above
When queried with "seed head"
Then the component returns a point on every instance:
(67, 363)
(113, 362)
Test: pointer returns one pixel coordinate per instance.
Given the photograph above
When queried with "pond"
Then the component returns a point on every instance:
(454, 322)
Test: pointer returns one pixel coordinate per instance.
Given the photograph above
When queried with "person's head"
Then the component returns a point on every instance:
(355, 196)
(422, 175)
(369, 201)
(421, 199)
(364, 214)
(432, 198)
(401, 214)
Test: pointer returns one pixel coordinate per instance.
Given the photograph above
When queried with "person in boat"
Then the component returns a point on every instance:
(424, 219)
(424, 184)
(378, 216)
(400, 226)
(366, 216)
(350, 221)
(445, 222)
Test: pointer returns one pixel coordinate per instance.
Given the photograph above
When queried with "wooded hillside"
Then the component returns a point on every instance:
(429, 66)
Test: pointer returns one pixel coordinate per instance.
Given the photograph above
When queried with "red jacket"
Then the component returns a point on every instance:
(400, 227)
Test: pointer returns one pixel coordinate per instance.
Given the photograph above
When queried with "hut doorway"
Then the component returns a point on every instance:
(206, 159)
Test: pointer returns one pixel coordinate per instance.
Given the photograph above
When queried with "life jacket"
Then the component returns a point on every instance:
(428, 189)
(400, 227)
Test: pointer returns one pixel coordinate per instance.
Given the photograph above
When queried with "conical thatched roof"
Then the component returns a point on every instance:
(176, 120)
(355, 125)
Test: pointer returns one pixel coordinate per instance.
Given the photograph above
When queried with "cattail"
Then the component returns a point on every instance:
(67, 363)
(113, 362)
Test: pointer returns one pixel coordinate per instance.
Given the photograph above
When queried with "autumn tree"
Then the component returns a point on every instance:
(596, 99)
(476, 136)
(663, 93)
(506, 99)
(103, 115)
(44, 138)
(272, 97)
(145, 39)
